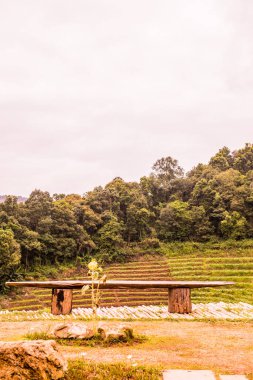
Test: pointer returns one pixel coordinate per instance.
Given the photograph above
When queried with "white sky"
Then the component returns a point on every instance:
(91, 90)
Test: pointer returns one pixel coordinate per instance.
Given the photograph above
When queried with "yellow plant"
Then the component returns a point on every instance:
(95, 274)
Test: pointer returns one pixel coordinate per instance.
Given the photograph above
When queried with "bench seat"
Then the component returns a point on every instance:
(179, 292)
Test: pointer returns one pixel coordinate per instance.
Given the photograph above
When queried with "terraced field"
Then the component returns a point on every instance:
(35, 298)
(227, 266)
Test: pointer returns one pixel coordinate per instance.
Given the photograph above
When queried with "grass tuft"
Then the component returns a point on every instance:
(95, 341)
(37, 335)
(79, 370)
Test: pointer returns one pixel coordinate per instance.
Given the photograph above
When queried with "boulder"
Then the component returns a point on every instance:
(33, 360)
(73, 330)
(117, 331)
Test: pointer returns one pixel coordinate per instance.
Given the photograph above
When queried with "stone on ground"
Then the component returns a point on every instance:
(37, 359)
(188, 375)
(73, 330)
(116, 331)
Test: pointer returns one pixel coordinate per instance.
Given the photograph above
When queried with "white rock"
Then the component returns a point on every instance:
(73, 330)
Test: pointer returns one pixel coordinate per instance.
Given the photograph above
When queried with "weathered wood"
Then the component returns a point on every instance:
(110, 284)
(61, 301)
(180, 301)
(179, 291)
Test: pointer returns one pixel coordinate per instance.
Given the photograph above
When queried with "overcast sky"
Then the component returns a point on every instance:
(94, 89)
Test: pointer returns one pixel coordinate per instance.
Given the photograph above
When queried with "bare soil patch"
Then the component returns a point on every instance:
(225, 347)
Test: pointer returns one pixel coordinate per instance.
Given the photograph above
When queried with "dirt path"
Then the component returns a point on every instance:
(221, 346)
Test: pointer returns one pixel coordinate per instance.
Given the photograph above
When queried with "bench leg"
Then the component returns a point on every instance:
(180, 300)
(61, 301)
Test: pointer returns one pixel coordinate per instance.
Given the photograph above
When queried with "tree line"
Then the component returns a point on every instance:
(212, 201)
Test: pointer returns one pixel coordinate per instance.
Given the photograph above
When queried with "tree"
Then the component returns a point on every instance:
(155, 191)
(138, 223)
(201, 227)
(10, 205)
(99, 200)
(214, 198)
(243, 158)
(248, 201)
(31, 247)
(68, 239)
(109, 240)
(9, 254)
(38, 206)
(180, 222)
(206, 194)
(86, 217)
(231, 186)
(234, 226)
(174, 222)
(167, 169)
(222, 160)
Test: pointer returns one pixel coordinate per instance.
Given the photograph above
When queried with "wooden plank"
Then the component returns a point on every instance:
(61, 301)
(76, 284)
(180, 301)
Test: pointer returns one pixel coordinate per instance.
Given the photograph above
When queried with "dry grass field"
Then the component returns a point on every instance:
(224, 347)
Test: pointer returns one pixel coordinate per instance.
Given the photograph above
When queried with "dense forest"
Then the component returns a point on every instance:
(212, 201)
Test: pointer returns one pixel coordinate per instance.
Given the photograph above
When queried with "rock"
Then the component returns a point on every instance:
(73, 330)
(33, 360)
(117, 331)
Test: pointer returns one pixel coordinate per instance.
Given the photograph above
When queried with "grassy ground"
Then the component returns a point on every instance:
(79, 370)
(223, 347)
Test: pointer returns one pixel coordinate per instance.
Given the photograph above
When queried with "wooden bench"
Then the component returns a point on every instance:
(179, 297)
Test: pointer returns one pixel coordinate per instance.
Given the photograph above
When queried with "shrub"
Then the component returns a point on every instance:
(150, 243)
